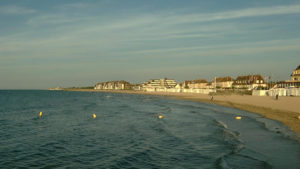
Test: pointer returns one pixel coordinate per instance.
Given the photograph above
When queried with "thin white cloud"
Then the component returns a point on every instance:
(52, 19)
(78, 5)
(215, 52)
(234, 14)
(16, 10)
(156, 20)
(118, 35)
(222, 50)
(149, 24)
(250, 50)
(164, 20)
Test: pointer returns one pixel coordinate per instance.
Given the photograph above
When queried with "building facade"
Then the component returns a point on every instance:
(158, 84)
(195, 84)
(249, 82)
(295, 76)
(223, 82)
(294, 82)
(113, 85)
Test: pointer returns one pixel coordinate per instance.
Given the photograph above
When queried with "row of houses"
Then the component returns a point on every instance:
(249, 82)
(242, 82)
(283, 88)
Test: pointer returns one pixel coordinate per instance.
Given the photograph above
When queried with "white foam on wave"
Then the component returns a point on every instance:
(222, 124)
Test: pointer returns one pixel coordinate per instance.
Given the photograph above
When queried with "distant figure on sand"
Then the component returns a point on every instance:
(276, 96)
(212, 98)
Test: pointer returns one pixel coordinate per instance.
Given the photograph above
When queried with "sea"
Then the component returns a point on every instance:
(127, 133)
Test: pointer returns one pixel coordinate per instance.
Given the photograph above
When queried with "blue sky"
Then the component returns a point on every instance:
(79, 43)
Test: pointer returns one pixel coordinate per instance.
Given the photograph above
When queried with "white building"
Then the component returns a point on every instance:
(113, 85)
(223, 82)
(158, 84)
(195, 84)
(294, 82)
(249, 82)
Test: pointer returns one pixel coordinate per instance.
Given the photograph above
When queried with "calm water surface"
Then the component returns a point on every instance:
(128, 134)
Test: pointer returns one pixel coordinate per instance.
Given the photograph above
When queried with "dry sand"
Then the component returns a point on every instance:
(285, 109)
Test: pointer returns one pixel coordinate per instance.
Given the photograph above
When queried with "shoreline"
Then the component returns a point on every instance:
(285, 110)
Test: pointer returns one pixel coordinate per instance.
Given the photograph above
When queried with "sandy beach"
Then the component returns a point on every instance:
(285, 109)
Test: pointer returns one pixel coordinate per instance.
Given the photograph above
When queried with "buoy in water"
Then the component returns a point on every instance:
(160, 116)
(40, 114)
(94, 116)
(238, 117)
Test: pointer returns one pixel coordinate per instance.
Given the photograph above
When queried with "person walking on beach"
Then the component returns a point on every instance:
(212, 98)
(277, 97)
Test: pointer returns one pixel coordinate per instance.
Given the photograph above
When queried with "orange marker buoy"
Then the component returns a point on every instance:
(94, 116)
(160, 116)
(238, 117)
(41, 114)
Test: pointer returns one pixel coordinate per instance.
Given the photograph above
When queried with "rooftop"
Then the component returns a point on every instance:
(120, 81)
(195, 81)
(250, 77)
(224, 79)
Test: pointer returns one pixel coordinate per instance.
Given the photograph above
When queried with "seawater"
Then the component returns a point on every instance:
(128, 134)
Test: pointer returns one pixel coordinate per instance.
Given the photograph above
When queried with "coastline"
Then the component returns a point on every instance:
(285, 109)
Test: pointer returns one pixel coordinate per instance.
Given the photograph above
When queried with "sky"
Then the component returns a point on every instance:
(70, 43)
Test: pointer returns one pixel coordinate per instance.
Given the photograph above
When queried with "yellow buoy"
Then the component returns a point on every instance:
(94, 116)
(238, 117)
(298, 117)
(41, 114)
(160, 116)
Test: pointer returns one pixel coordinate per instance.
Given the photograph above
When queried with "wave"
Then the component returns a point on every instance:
(233, 160)
(239, 156)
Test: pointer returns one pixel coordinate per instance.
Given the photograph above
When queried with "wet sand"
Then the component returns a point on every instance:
(285, 109)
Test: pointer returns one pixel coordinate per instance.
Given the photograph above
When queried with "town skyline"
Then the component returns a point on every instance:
(294, 77)
(75, 43)
(250, 81)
